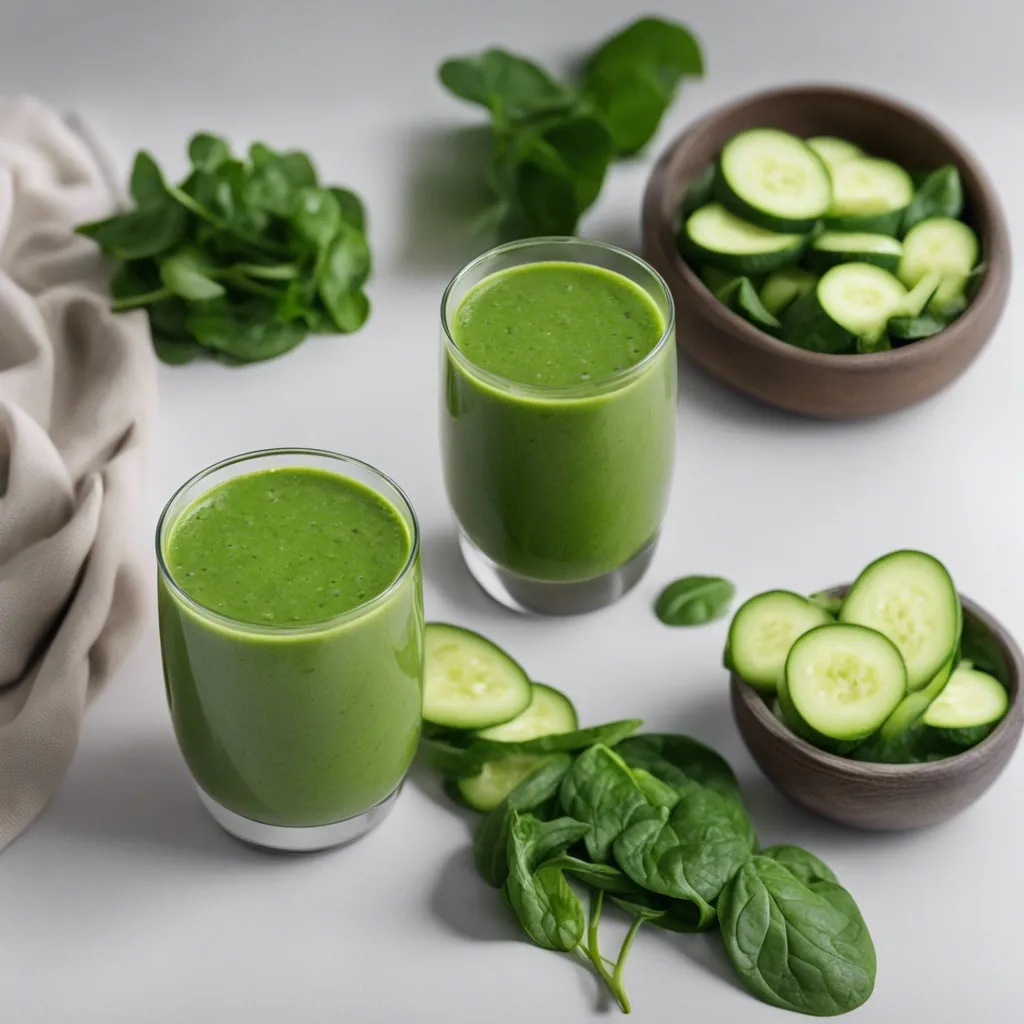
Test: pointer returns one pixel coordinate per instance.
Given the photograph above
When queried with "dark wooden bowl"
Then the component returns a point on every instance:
(813, 383)
(882, 796)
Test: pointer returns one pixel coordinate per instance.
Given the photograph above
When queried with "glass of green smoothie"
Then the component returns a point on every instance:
(558, 420)
(291, 628)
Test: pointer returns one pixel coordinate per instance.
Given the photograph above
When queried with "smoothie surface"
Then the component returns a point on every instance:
(287, 547)
(554, 324)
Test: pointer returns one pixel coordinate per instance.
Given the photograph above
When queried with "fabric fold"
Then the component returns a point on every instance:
(77, 390)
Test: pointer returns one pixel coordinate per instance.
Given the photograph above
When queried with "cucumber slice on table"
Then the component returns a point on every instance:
(831, 248)
(486, 790)
(773, 179)
(763, 631)
(943, 246)
(833, 151)
(785, 286)
(548, 712)
(470, 683)
(909, 596)
(869, 194)
(713, 235)
(841, 683)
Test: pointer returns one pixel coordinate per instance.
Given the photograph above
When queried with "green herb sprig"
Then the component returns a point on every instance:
(243, 259)
(553, 142)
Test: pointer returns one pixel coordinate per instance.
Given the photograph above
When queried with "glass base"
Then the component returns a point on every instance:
(298, 839)
(522, 594)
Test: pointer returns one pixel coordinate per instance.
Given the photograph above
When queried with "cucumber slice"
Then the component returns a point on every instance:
(943, 246)
(773, 179)
(699, 193)
(866, 187)
(860, 298)
(486, 790)
(469, 682)
(763, 631)
(842, 682)
(713, 235)
(784, 286)
(831, 248)
(909, 596)
(921, 294)
(971, 699)
(833, 151)
(548, 712)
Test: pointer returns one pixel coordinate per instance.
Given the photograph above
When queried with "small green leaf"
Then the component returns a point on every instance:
(741, 297)
(185, 274)
(352, 209)
(317, 216)
(147, 231)
(176, 351)
(801, 863)
(511, 87)
(248, 336)
(941, 194)
(694, 600)
(208, 152)
(344, 271)
(147, 183)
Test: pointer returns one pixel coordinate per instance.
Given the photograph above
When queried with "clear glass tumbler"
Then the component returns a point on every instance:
(559, 492)
(297, 737)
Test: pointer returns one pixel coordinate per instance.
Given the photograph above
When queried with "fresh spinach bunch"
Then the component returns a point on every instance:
(553, 142)
(243, 259)
(655, 823)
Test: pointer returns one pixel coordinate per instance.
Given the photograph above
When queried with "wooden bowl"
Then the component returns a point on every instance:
(882, 796)
(814, 383)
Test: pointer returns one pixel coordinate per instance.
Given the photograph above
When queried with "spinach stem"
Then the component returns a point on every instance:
(134, 301)
(618, 988)
(261, 247)
(594, 952)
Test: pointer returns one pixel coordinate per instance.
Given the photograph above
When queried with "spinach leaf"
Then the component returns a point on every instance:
(248, 334)
(742, 297)
(804, 865)
(600, 790)
(679, 760)
(605, 877)
(694, 600)
(798, 946)
(547, 908)
(656, 792)
(913, 328)
(633, 77)
(940, 194)
(980, 647)
(689, 853)
(146, 231)
(186, 274)
(452, 760)
(146, 184)
(510, 87)
(490, 844)
(552, 143)
(345, 270)
(208, 152)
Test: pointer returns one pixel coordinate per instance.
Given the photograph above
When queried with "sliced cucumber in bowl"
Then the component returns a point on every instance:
(774, 180)
(831, 248)
(782, 287)
(909, 596)
(712, 235)
(834, 151)
(869, 194)
(841, 682)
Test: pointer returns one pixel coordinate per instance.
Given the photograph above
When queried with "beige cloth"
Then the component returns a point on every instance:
(76, 389)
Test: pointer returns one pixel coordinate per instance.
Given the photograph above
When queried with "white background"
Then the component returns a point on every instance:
(125, 903)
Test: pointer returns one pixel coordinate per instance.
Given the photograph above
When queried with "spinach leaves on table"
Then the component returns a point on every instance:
(553, 142)
(694, 600)
(799, 945)
(655, 824)
(241, 260)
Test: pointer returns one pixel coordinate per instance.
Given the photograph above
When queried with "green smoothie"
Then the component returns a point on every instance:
(292, 644)
(558, 425)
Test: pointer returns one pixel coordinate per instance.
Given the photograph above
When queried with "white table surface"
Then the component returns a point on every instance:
(126, 904)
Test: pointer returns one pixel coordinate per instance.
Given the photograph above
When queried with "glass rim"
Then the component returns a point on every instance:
(582, 389)
(308, 629)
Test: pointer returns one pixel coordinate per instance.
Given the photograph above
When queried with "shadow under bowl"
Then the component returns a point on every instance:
(884, 797)
(814, 383)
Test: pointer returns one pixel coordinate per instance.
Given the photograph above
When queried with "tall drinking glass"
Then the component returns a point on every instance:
(291, 629)
(558, 420)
